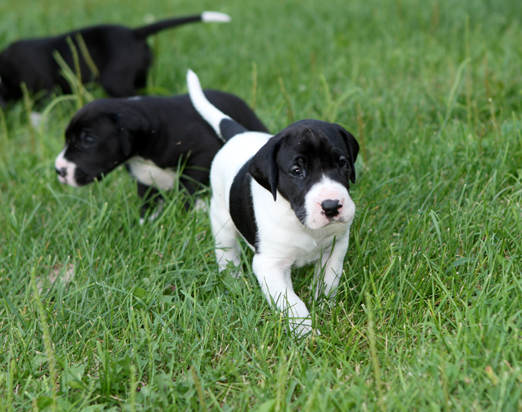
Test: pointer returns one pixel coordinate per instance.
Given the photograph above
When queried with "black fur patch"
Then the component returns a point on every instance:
(229, 128)
(298, 157)
(242, 206)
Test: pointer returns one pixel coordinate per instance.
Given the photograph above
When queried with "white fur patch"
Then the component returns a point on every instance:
(66, 168)
(148, 173)
(201, 204)
(327, 189)
(215, 16)
(282, 234)
(210, 113)
(36, 119)
(157, 212)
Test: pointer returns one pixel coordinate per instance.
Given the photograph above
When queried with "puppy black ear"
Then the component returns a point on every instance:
(353, 150)
(263, 166)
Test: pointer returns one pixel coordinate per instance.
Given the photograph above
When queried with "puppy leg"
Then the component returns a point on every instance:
(332, 262)
(275, 281)
(225, 236)
(117, 83)
(151, 199)
(191, 181)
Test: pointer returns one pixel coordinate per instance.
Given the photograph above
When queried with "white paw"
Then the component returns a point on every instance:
(201, 204)
(36, 119)
(303, 328)
(157, 211)
(234, 270)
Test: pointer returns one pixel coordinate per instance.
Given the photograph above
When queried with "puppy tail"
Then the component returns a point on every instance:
(205, 17)
(224, 125)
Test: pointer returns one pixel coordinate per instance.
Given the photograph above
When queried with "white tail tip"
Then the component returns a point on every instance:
(193, 80)
(215, 16)
(207, 110)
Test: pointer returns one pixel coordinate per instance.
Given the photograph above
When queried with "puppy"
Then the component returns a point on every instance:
(288, 196)
(152, 136)
(121, 56)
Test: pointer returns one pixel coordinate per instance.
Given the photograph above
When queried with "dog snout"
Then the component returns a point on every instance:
(331, 207)
(62, 171)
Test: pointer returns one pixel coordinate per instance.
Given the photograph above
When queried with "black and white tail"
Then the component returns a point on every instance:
(224, 125)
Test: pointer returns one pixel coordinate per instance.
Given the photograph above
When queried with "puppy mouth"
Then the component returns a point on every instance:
(80, 177)
(83, 179)
(314, 224)
(333, 216)
(77, 178)
(320, 219)
(334, 220)
(63, 176)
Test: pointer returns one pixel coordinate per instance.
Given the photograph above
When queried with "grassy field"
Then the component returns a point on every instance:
(100, 313)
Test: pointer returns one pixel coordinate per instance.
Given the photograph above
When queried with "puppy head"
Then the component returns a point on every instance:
(98, 138)
(311, 164)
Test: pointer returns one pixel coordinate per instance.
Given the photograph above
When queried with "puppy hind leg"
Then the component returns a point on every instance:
(118, 84)
(152, 202)
(140, 81)
(192, 181)
(225, 237)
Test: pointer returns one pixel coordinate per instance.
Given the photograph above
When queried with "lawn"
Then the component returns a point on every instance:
(100, 313)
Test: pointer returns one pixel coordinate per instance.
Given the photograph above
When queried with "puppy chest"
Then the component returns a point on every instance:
(148, 173)
(299, 248)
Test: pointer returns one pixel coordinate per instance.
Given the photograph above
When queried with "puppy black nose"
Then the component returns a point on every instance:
(331, 207)
(62, 171)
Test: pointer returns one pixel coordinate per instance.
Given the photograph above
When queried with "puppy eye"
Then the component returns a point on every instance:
(87, 141)
(343, 161)
(296, 171)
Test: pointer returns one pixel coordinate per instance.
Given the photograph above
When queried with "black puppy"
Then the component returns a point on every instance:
(153, 136)
(121, 57)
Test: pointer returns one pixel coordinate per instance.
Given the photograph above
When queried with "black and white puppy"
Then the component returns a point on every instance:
(121, 56)
(153, 136)
(288, 196)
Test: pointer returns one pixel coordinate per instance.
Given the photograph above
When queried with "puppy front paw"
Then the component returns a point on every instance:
(231, 269)
(201, 205)
(303, 329)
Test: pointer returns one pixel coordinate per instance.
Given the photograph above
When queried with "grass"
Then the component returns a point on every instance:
(100, 313)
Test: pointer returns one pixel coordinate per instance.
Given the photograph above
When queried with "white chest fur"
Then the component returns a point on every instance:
(148, 173)
(282, 235)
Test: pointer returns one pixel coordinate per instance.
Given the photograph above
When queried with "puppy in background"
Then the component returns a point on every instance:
(288, 196)
(119, 54)
(152, 136)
